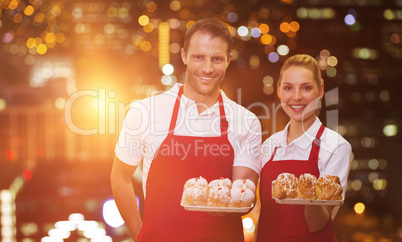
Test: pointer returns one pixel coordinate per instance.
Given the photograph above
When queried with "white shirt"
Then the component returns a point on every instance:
(147, 122)
(334, 157)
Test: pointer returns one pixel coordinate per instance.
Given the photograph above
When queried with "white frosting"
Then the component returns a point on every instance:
(195, 195)
(243, 184)
(199, 181)
(242, 198)
(221, 182)
(219, 197)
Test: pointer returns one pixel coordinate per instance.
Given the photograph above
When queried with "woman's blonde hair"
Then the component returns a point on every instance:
(305, 61)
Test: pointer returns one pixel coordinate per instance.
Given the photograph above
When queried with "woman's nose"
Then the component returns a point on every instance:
(297, 95)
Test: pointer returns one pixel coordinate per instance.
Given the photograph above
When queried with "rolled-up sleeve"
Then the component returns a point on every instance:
(339, 163)
(129, 147)
(247, 145)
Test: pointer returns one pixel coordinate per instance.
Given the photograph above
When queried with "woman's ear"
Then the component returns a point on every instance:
(321, 90)
(278, 90)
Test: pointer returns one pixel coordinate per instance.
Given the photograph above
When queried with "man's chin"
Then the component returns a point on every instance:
(208, 90)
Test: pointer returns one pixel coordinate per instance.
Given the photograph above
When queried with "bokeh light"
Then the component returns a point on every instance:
(284, 27)
(255, 32)
(2, 104)
(384, 95)
(242, 31)
(232, 17)
(248, 225)
(380, 184)
(294, 26)
(331, 71)
(29, 10)
(266, 39)
(273, 57)
(143, 20)
(151, 7)
(60, 102)
(350, 19)
(359, 208)
(42, 49)
(332, 61)
(254, 62)
(283, 50)
(168, 80)
(111, 214)
(268, 80)
(168, 69)
(390, 130)
(264, 28)
(175, 5)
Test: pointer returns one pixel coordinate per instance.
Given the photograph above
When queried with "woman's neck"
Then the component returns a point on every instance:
(297, 129)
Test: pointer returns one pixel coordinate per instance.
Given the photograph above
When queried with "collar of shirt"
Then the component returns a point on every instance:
(305, 140)
(188, 103)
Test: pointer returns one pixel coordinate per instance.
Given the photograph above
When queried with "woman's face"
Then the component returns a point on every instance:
(300, 94)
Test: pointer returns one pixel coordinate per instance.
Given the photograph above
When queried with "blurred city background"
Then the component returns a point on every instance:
(69, 69)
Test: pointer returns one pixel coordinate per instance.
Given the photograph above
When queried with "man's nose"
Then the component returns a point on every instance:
(207, 66)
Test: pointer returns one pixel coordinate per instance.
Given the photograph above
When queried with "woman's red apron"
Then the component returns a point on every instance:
(210, 157)
(280, 222)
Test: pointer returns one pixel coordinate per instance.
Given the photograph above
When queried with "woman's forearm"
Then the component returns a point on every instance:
(317, 216)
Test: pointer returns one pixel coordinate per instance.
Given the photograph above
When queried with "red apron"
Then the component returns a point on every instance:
(210, 157)
(283, 222)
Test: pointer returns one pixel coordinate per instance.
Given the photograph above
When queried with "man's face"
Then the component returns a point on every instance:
(207, 61)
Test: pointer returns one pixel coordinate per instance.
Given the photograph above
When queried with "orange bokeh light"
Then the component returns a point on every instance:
(284, 27)
(264, 28)
(10, 154)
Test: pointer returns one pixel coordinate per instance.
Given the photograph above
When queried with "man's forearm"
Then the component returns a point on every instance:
(127, 204)
(240, 172)
(124, 195)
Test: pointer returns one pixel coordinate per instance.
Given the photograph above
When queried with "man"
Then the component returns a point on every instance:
(189, 131)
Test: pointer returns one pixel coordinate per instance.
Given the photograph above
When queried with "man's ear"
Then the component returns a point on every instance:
(229, 58)
(184, 56)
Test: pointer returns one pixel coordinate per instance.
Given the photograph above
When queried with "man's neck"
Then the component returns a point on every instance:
(203, 102)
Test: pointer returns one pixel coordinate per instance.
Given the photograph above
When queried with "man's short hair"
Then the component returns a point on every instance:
(211, 26)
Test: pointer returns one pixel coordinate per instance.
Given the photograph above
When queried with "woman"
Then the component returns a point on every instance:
(300, 89)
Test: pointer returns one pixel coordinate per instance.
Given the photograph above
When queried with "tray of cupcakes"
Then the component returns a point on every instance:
(219, 195)
(307, 190)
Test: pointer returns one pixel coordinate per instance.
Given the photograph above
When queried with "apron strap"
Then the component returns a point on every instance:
(315, 148)
(173, 120)
(273, 154)
(224, 123)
